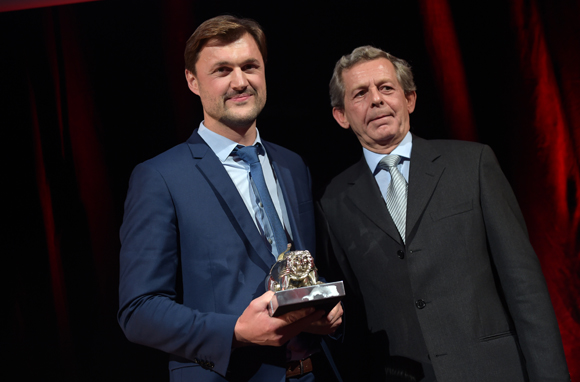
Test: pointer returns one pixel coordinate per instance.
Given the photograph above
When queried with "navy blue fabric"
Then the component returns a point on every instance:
(192, 260)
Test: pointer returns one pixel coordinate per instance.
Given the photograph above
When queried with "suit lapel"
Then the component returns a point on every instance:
(364, 192)
(424, 174)
(227, 193)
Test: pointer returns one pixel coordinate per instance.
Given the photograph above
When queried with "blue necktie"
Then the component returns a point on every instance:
(249, 154)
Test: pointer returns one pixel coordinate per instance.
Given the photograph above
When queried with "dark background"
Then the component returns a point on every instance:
(89, 90)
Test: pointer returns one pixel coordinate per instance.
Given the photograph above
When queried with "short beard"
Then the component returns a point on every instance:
(241, 122)
(244, 122)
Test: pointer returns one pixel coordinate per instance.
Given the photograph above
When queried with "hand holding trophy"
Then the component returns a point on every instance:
(294, 279)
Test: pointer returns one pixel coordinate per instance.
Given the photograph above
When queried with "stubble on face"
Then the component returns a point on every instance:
(231, 83)
(229, 115)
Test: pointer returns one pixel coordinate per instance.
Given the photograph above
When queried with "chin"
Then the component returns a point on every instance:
(248, 115)
(239, 121)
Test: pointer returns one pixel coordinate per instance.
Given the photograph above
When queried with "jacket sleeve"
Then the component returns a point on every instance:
(520, 275)
(150, 311)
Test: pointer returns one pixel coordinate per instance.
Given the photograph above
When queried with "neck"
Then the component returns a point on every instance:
(243, 135)
(381, 149)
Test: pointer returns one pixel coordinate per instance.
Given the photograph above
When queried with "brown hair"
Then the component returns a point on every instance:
(225, 29)
(368, 53)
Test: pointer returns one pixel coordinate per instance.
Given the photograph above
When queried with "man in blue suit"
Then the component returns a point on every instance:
(198, 240)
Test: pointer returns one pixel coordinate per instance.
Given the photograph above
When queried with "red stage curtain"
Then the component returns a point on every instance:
(17, 5)
(443, 47)
(550, 176)
(547, 176)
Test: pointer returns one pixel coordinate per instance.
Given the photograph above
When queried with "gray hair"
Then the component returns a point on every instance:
(367, 53)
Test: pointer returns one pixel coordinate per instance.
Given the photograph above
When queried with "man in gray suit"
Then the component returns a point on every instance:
(431, 243)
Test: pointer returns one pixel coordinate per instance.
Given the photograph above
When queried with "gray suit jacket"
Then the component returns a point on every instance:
(474, 284)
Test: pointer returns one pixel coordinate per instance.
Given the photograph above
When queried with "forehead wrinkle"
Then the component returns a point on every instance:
(379, 74)
(366, 83)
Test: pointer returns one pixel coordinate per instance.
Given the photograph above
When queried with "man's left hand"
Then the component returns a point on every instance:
(327, 324)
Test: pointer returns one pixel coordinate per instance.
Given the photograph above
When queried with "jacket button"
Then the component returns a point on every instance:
(420, 304)
(401, 254)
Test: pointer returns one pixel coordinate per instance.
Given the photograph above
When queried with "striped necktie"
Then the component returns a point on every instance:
(396, 193)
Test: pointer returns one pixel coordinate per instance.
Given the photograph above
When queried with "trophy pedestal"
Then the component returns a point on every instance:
(323, 296)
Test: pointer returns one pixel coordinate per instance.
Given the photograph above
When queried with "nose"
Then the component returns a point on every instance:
(376, 99)
(239, 80)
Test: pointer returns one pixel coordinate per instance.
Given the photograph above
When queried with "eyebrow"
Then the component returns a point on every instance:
(382, 81)
(228, 63)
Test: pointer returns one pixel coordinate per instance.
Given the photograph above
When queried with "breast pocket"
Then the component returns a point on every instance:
(453, 210)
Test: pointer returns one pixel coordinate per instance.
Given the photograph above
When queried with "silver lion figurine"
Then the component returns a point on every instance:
(294, 269)
(294, 279)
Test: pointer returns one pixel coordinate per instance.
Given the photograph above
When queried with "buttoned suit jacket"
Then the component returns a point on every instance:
(477, 287)
(192, 260)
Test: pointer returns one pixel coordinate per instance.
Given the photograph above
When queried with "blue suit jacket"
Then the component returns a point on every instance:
(192, 260)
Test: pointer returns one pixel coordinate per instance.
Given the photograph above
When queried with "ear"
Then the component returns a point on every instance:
(411, 99)
(340, 117)
(191, 82)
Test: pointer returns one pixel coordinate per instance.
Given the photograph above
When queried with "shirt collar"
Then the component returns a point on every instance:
(403, 150)
(220, 145)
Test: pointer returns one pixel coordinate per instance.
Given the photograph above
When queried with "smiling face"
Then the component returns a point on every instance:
(375, 105)
(230, 81)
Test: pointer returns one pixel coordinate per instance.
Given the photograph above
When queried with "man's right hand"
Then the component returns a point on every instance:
(255, 326)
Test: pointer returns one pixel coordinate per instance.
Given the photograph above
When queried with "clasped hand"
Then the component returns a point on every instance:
(255, 326)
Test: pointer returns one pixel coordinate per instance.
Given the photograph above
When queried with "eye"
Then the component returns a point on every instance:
(360, 93)
(249, 67)
(222, 71)
(386, 88)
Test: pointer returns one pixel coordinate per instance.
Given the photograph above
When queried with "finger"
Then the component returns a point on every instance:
(336, 324)
(323, 327)
(293, 329)
(330, 321)
(316, 316)
(266, 297)
(296, 315)
(335, 314)
(261, 303)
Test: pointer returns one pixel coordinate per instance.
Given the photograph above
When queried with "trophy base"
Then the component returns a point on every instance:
(323, 296)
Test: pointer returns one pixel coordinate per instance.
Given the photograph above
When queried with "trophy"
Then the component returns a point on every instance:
(294, 279)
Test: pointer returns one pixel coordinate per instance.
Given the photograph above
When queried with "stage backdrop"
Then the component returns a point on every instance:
(89, 90)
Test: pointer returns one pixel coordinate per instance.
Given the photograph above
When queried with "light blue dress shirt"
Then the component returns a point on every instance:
(383, 177)
(239, 172)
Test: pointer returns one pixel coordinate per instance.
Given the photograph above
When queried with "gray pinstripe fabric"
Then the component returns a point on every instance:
(396, 193)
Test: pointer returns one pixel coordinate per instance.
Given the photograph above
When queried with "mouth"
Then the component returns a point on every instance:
(242, 97)
(380, 117)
